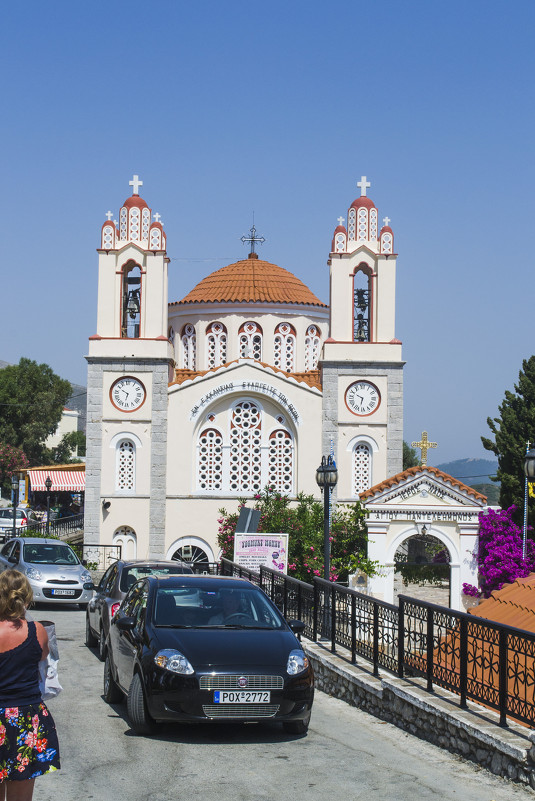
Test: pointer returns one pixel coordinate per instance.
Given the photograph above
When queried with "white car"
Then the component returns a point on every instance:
(24, 517)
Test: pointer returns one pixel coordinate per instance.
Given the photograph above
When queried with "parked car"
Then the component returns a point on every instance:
(23, 517)
(54, 571)
(111, 590)
(199, 648)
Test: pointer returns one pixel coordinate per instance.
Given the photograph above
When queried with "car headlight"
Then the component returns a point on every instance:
(34, 574)
(297, 662)
(85, 576)
(168, 659)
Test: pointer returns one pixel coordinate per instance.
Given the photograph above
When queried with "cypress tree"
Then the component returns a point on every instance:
(514, 427)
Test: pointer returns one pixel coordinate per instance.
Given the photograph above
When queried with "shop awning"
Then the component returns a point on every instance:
(62, 480)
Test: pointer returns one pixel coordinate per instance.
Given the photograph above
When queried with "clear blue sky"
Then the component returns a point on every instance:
(278, 108)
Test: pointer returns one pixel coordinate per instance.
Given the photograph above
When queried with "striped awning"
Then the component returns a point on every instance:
(62, 480)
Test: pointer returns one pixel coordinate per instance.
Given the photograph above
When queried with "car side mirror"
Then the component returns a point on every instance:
(12, 559)
(297, 626)
(125, 623)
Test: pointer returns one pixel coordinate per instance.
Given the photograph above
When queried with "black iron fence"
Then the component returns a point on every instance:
(60, 527)
(476, 659)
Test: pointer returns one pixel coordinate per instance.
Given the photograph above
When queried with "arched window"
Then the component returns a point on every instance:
(284, 347)
(281, 457)
(362, 304)
(210, 460)
(126, 538)
(125, 466)
(216, 344)
(171, 335)
(189, 342)
(250, 341)
(362, 468)
(312, 347)
(245, 448)
(131, 301)
(352, 224)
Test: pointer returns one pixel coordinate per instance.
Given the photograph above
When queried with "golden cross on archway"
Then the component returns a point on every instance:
(424, 446)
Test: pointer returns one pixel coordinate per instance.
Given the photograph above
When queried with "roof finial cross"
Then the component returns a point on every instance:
(341, 220)
(363, 184)
(157, 217)
(424, 446)
(253, 239)
(386, 220)
(136, 183)
(109, 215)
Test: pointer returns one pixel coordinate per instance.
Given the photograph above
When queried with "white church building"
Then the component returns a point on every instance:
(246, 381)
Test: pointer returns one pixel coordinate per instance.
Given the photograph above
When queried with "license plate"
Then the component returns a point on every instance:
(69, 593)
(242, 697)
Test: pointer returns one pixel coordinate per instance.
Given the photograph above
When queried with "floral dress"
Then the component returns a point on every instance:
(28, 740)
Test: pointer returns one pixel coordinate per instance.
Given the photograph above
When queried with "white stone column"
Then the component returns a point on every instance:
(380, 586)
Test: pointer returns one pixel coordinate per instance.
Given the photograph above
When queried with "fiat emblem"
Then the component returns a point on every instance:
(242, 681)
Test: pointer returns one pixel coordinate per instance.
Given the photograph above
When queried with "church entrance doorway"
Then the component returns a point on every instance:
(422, 569)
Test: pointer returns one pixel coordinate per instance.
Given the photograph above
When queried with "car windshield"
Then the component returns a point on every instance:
(194, 606)
(132, 574)
(49, 553)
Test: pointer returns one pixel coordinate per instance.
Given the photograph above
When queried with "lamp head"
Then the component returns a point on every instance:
(529, 465)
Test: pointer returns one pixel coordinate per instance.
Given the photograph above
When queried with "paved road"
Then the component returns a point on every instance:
(346, 754)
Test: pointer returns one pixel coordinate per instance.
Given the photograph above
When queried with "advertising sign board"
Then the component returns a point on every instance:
(253, 550)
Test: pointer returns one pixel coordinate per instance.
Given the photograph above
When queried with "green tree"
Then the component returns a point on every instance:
(303, 522)
(32, 398)
(512, 430)
(410, 457)
(63, 453)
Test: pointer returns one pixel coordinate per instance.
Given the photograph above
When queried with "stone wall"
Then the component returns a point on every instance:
(473, 733)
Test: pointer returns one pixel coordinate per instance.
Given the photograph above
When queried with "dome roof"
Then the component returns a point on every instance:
(251, 281)
(135, 200)
(363, 201)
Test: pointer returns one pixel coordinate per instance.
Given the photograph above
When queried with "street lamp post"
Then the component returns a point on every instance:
(48, 485)
(326, 478)
(529, 473)
(15, 488)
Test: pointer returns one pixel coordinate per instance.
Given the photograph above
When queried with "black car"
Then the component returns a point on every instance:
(198, 648)
(111, 590)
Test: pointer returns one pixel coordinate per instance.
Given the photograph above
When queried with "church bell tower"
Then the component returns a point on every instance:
(362, 365)
(130, 361)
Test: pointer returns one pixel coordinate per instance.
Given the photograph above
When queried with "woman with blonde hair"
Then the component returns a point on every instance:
(28, 739)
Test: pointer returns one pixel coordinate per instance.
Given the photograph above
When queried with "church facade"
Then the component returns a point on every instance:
(246, 381)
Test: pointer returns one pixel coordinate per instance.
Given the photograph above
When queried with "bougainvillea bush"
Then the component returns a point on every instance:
(499, 557)
(11, 461)
(303, 522)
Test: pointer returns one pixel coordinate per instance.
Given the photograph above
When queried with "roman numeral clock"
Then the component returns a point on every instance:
(363, 398)
(128, 394)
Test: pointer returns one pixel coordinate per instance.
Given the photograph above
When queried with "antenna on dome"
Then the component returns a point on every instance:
(253, 238)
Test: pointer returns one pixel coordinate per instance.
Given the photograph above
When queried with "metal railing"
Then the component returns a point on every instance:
(476, 659)
(60, 527)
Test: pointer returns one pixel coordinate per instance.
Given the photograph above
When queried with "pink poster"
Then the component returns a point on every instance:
(253, 550)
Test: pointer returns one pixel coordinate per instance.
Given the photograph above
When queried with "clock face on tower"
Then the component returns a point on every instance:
(128, 394)
(363, 398)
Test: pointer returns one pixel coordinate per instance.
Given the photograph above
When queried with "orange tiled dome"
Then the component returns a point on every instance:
(251, 281)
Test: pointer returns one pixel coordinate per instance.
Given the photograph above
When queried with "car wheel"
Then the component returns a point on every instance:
(112, 692)
(297, 726)
(140, 720)
(90, 639)
(102, 646)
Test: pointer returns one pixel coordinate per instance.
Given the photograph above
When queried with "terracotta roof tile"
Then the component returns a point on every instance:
(312, 377)
(413, 471)
(251, 281)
